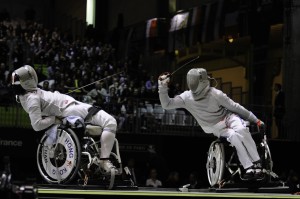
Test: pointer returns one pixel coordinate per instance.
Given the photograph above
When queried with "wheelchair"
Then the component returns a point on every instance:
(74, 157)
(224, 169)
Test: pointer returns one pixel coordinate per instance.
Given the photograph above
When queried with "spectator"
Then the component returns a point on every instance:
(3, 75)
(152, 96)
(113, 105)
(173, 180)
(121, 118)
(46, 85)
(153, 180)
(157, 161)
(99, 90)
(150, 83)
(130, 115)
(175, 90)
(293, 182)
(40, 74)
(194, 181)
(99, 102)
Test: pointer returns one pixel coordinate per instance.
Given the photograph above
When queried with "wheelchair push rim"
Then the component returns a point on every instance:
(59, 163)
(215, 163)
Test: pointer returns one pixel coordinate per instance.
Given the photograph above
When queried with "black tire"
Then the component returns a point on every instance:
(68, 157)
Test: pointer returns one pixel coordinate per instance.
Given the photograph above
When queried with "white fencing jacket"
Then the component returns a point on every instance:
(44, 106)
(209, 110)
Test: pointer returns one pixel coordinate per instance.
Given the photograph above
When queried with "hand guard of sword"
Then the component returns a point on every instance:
(164, 79)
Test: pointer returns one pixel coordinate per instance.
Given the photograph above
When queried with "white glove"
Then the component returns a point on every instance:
(164, 79)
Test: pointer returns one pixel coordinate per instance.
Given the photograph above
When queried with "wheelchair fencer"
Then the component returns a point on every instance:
(223, 167)
(75, 155)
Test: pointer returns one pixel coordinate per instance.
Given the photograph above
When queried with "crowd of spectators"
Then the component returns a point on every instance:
(85, 68)
(154, 172)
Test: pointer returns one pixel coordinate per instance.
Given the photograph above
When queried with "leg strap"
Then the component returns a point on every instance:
(91, 112)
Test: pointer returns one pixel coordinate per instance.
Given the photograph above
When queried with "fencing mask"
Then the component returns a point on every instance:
(198, 82)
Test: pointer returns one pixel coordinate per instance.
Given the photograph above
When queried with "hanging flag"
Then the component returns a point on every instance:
(156, 34)
(151, 28)
(179, 21)
(178, 31)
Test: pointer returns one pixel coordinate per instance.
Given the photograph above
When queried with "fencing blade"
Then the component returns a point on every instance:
(183, 66)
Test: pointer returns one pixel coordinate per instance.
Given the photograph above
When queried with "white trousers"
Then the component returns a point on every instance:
(234, 129)
(101, 118)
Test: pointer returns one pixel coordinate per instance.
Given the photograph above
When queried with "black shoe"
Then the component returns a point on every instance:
(249, 174)
(259, 174)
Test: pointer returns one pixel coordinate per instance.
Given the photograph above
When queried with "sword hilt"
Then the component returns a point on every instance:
(165, 77)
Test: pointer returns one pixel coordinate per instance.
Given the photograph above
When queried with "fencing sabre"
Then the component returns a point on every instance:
(169, 75)
(94, 82)
(183, 66)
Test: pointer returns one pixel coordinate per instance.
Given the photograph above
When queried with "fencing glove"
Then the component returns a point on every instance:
(164, 79)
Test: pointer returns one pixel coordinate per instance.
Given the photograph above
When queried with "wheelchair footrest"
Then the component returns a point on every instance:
(272, 174)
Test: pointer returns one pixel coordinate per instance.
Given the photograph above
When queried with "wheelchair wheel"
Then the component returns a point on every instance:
(59, 164)
(265, 155)
(215, 164)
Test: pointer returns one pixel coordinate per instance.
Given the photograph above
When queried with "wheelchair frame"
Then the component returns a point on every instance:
(224, 169)
(75, 156)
